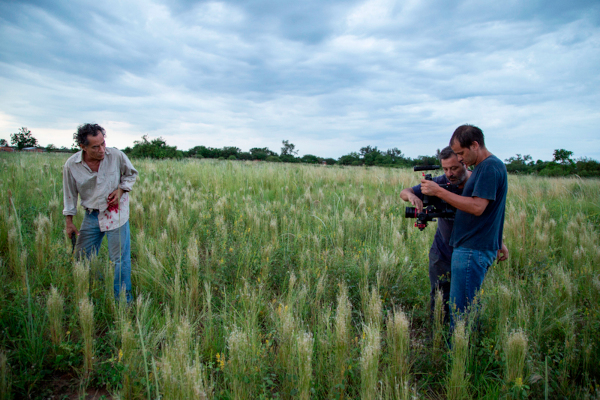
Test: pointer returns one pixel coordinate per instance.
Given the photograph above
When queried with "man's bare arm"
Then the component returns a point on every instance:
(409, 195)
(471, 205)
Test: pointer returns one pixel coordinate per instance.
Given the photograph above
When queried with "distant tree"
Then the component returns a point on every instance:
(23, 139)
(244, 155)
(587, 167)
(371, 155)
(210, 152)
(261, 153)
(273, 159)
(329, 161)
(350, 159)
(367, 150)
(3, 142)
(258, 154)
(288, 148)
(425, 160)
(395, 155)
(155, 148)
(205, 152)
(310, 159)
(289, 158)
(519, 163)
(563, 156)
(227, 152)
(50, 147)
(519, 159)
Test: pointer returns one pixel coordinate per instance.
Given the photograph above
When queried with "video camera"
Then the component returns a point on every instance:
(433, 207)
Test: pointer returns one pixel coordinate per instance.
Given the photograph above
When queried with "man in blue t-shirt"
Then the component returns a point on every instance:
(479, 222)
(440, 253)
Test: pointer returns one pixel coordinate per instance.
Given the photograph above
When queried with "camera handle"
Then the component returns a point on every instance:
(427, 177)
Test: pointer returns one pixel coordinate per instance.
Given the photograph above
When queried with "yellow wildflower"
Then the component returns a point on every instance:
(519, 382)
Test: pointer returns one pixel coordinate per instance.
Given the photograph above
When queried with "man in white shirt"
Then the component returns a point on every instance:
(102, 177)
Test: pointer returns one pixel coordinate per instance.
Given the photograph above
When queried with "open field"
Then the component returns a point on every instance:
(259, 280)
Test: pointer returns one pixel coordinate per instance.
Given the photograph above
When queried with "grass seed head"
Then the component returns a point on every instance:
(516, 352)
(55, 306)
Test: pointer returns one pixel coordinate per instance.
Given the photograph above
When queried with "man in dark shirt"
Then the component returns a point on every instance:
(477, 235)
(440, 254)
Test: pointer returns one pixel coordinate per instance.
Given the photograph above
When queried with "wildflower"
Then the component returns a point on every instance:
(120, 354)
(519, 382)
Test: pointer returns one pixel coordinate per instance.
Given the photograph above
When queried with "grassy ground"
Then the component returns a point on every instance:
(259, 280)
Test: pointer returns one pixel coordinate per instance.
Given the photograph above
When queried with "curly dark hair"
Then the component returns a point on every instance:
(466, 135)
(85, 130)
(446, 153)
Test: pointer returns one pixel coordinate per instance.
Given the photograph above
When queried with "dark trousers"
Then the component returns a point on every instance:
(439, 277)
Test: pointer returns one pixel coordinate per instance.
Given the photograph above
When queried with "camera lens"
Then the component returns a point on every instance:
(410, 212)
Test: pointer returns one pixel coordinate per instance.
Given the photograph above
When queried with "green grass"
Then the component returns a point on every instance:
(245, 272)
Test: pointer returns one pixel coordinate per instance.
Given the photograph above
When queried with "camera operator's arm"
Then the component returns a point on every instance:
(471, 205)
(409, 195)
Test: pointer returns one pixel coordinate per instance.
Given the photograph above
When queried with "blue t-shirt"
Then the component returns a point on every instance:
(441, 241)
(488, 181)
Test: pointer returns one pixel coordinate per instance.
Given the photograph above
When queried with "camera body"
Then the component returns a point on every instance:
(433, 207)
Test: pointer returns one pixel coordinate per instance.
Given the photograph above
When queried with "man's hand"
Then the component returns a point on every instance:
(70, 227)
(503, 253)
(415, 201)
(409, 195)
(430, 188)
(114, 197)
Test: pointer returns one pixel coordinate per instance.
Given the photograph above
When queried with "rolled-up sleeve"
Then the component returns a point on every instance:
(128, 174)
(69, 192)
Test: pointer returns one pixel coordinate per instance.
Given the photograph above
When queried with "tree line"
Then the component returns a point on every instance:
(562, 163)
(370, 156)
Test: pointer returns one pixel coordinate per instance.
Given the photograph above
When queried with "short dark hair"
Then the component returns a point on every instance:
(446, 153)
(85, 130)
(466, 135)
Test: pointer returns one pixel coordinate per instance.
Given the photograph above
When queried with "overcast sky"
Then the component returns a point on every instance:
(329, 76)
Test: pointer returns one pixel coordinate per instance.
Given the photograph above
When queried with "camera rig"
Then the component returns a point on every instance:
(433, 207)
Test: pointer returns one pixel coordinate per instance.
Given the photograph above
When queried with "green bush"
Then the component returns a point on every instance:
(155, 148)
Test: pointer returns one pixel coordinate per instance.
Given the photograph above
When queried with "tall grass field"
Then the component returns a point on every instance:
(257, 280)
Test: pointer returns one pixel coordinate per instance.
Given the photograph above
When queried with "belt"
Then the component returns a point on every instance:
(91, 210)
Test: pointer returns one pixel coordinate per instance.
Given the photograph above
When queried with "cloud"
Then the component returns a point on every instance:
(329, 76)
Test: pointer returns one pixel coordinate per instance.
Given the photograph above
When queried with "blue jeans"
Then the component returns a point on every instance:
(468, 270)
(119, 249)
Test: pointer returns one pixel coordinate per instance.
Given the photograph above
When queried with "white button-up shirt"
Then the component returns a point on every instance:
(115, 171)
